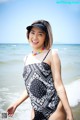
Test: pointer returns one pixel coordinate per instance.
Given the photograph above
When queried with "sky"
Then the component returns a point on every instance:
(63, 15)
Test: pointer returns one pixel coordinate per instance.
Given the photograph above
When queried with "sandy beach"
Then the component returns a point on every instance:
(76, 112)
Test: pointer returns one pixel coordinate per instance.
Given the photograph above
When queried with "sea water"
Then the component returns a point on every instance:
(12, 83)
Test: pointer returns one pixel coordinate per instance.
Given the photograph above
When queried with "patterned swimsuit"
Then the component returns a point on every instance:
(40, 87)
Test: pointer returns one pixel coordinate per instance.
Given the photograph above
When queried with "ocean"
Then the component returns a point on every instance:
(12, 83)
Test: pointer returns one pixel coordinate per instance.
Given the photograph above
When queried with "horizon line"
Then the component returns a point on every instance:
(53, 43)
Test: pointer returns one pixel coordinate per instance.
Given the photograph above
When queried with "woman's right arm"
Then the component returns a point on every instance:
(11, 109)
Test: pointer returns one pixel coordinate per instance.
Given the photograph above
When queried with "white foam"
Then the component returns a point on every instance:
(73, 92)
(4, 89)
(24, 110)
(64, 48)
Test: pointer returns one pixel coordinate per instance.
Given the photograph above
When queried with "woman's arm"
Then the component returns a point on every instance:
(23, 97)
(11, 109)
(56, 71)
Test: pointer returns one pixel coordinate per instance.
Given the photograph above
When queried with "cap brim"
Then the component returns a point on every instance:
(41, 26)
(29, 27)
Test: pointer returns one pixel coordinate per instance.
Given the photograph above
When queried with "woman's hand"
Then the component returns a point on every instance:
(11, 109)
(69, 116)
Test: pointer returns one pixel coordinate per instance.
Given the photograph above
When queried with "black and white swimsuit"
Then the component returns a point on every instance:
(40, 87)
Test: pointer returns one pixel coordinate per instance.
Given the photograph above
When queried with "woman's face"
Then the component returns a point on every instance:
(37, 38)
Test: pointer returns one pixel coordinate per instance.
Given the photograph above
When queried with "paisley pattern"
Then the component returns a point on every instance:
(40, 86)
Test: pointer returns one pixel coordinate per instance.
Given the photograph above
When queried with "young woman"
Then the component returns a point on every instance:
(42, 76)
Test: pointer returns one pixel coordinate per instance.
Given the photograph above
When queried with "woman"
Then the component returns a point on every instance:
(42, 76)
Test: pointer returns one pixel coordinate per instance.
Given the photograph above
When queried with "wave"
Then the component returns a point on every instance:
(73, 92)
(10, 62)
(72, 89)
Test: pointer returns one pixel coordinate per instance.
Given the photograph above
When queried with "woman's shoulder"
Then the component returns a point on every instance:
(55, 55)
(54, 51)
(26, 57)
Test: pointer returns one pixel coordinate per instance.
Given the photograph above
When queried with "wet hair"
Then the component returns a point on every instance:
(46, 27)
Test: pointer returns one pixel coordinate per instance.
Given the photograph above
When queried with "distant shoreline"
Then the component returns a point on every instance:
(53, 43)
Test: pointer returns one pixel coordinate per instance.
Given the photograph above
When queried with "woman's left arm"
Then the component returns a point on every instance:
(56, 71)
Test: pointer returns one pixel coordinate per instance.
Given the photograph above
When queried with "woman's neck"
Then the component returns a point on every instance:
(37, 51)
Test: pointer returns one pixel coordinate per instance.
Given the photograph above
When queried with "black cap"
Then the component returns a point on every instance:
(38, 25)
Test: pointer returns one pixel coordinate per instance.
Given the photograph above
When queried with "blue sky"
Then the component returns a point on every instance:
(64, 18)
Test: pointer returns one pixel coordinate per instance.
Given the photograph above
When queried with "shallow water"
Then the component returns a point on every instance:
(12, 83)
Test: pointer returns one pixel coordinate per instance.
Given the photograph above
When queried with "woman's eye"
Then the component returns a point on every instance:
(32, 32)
(40, 34)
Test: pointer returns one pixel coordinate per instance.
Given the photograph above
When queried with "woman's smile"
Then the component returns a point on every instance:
(35, 42)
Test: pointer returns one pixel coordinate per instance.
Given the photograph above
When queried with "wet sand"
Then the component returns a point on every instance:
(76, 112)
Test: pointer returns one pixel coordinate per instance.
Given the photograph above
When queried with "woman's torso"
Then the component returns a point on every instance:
(40, 86)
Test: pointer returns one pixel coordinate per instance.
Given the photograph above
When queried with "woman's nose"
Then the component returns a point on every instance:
(35, 36)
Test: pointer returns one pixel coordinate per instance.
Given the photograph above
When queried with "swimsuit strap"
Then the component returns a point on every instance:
(25, 58)
(46, 55)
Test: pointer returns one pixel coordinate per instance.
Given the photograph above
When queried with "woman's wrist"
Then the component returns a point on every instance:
(16, 104)
(69, 112)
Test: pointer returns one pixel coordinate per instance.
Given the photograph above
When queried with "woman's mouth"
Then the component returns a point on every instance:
(35, 42)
